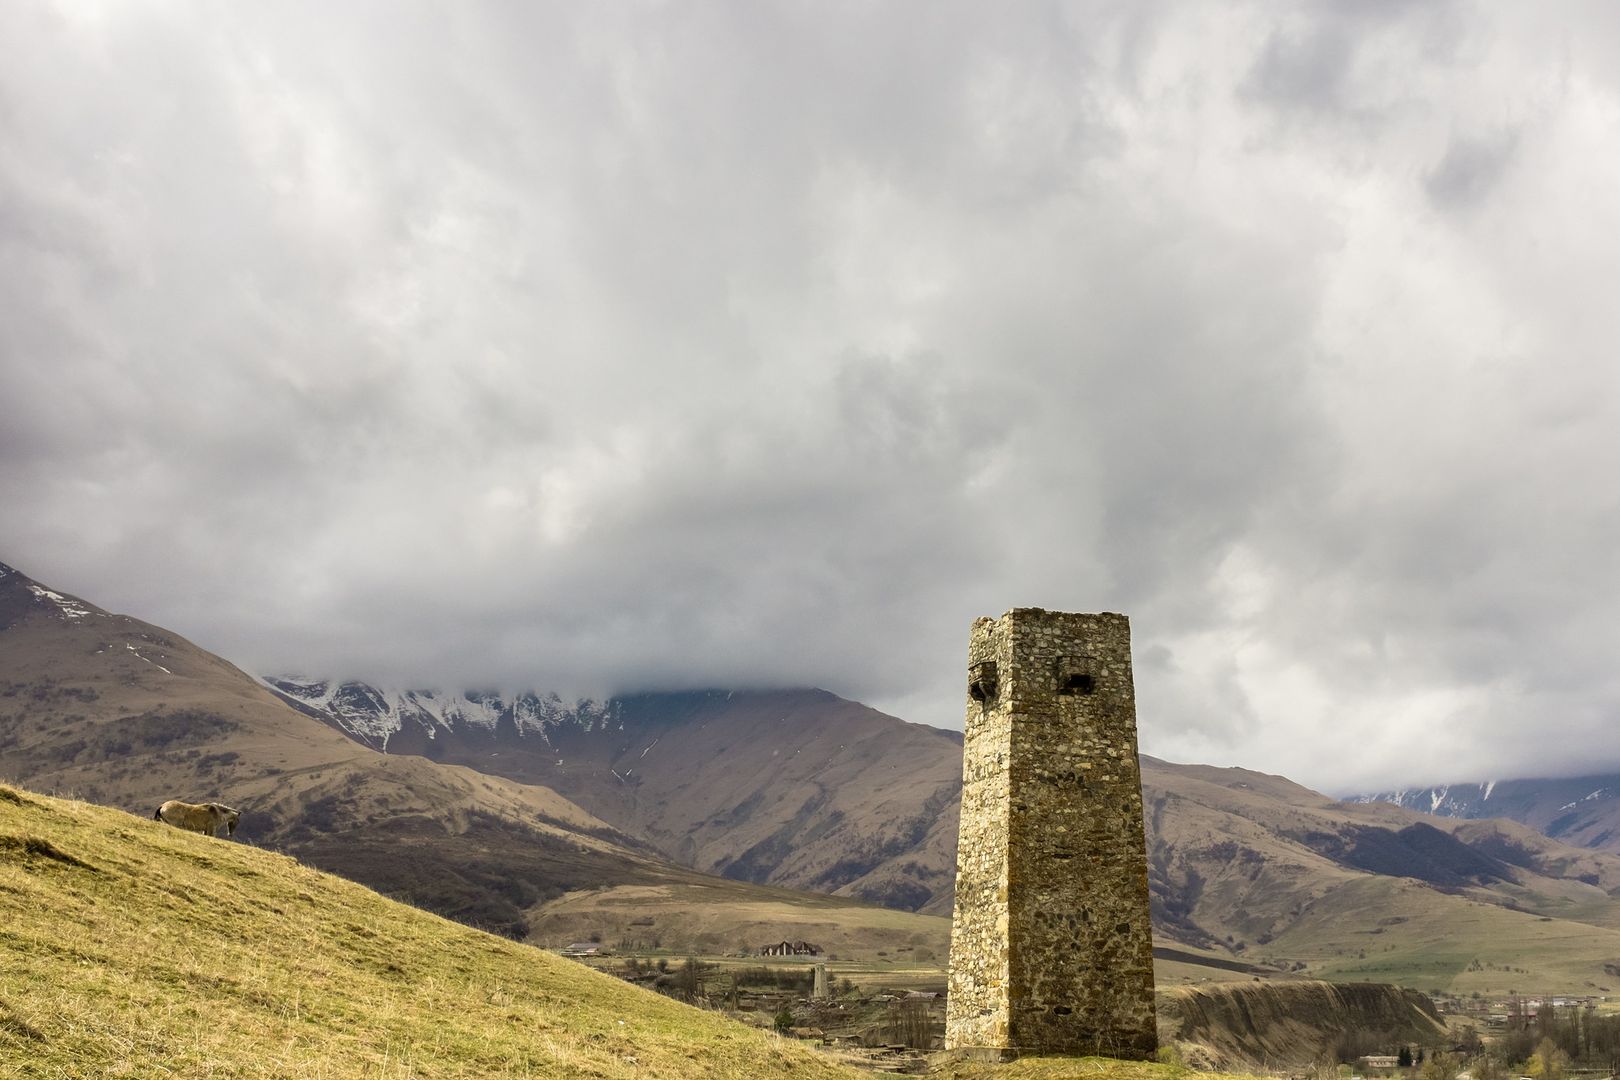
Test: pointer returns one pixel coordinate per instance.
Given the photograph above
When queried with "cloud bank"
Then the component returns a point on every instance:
(614, 347)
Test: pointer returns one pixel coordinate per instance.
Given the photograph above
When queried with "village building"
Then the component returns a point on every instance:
(790, 948)
(583, 948)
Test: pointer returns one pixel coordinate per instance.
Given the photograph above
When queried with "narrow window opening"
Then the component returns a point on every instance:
(982, 682)
(1077, 684)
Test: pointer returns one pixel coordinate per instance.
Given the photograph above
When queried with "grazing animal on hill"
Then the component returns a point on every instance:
(206, 818)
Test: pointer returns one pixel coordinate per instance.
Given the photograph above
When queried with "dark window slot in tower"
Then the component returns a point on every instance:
(1077, 684)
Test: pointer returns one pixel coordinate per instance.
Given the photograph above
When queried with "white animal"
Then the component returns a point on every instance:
(206, 818)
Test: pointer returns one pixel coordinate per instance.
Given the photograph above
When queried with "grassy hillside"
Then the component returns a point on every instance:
(1435, 942)
(129, 948)
(127, 945)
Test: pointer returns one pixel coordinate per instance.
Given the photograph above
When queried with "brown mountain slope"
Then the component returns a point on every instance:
(802, 788)
(1277, 874)
(118, 711)
(795, 788)
(1239, 856)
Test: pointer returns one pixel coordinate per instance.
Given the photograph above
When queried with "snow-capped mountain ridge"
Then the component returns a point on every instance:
(375, 716)
(1463, 800)
(1581, 810)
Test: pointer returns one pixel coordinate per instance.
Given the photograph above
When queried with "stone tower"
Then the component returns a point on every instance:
(1051, 945)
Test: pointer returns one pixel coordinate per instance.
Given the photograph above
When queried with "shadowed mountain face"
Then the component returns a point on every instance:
(1583, 811)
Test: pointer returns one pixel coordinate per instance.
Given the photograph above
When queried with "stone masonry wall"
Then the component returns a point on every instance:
(976, 1005)
(1051, 945)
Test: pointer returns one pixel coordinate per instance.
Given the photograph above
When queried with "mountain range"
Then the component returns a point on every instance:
(536, 816)
(1582, 810)
(796, 788)
(115, 710)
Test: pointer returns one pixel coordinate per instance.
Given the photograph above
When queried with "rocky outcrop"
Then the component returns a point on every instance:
(1282, 1024)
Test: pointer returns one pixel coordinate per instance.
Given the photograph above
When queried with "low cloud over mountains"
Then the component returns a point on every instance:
(607, 350)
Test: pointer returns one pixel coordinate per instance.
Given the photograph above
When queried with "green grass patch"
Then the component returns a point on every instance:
(1434, 942)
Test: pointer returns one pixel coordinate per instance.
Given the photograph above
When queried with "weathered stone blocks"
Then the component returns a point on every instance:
(1051, 944)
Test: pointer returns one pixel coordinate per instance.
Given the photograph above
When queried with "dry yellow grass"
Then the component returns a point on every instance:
(1047, 1068)
(129, 948)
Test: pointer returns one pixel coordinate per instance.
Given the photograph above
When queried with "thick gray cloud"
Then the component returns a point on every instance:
(605, 347)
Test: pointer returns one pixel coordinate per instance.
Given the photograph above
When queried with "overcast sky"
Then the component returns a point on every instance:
(621, 346)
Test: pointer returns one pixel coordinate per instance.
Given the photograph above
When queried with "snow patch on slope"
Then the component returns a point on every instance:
(72, 610)
(375, 715)
(149, 660)
(1445, 800)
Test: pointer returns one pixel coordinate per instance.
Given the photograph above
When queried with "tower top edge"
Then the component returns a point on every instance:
(1045, 613)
